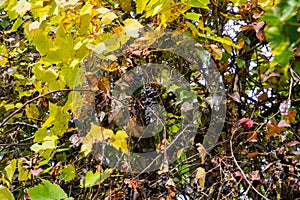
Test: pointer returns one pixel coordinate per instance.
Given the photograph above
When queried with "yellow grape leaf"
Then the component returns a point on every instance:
(267, 3)
(32, 112)
(202, 152)
(119, 141)
(126, 5)
(239, 2)
(216, 51)
(86, 9)
(99, 48)
(140, 6)
(3, 55)
(200, 176)
(108, 18)
(49, 142)
(9, 172)
(132, 27)
(24, 173)
(96, 134)
(22, 7)
(5, 194)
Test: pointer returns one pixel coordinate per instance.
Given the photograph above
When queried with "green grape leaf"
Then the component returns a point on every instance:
(199, 3)
(9, 172)
(92, 179)
(47, 191)
(32, 112)
(67, 173)
(24, 173)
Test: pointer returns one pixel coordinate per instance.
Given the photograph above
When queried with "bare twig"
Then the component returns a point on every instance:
(241, 170)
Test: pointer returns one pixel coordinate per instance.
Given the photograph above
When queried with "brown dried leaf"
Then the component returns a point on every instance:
(200, 176)
(170, 185)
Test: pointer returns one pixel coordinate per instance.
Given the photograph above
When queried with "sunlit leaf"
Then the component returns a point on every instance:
(67, 173)
(96, 134)
(132, 27)
(140, 6)
(5, 194)
(92, 179)
(200, 176)
(199, 3)
(47, 191)
(22, 7)
(119, 141)
(9, 172)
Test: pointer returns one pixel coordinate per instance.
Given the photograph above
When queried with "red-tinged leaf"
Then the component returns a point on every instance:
(245, 123)
(297, 153)
(291, 116)
(283, 123)
(252, 155)
(252, 136)
(264, 77)
(263, 97)
(238, 174)
(273, 130)
(261, 36)
(293, 143)
(257, 26)
(255, 175)
(36, 172)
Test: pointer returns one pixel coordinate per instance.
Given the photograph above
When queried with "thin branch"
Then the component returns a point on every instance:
(241, 170)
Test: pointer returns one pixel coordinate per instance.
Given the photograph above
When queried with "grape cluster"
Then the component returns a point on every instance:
(149, 95)
(144, 106)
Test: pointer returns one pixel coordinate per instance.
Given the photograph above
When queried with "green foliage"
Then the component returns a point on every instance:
(47, 191)
(50, 50)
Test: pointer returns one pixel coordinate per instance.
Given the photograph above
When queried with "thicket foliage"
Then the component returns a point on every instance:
(60, 58)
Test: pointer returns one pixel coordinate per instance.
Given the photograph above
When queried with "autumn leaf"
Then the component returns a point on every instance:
(252, 137)
(252, 155)
(170, 185)
(245, 123)
(119, 141)
(22, 7)
(290, 117)
(273, 130)
(200, 176)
